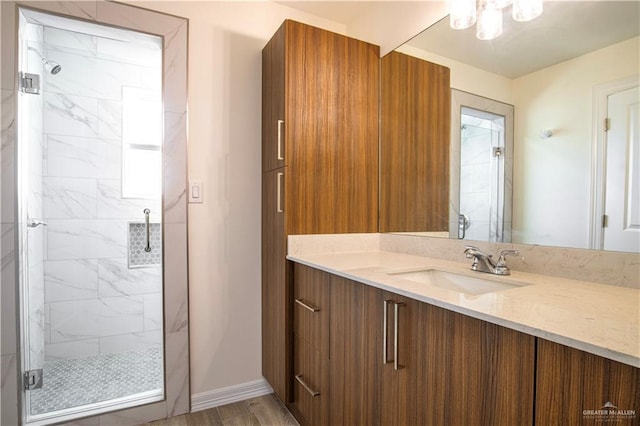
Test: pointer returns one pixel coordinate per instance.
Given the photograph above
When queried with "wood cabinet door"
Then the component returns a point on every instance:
(275, 306)
(331, 132)
(399, 374)
(355, 353)
(273, 93)
(578, 388)
(472, 372)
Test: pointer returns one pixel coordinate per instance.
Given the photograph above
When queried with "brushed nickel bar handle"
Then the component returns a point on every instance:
(385, 322)
(396, 308)
(304, 385)
(308, 307)
(147, 226)
(279, 208)
(280, 123)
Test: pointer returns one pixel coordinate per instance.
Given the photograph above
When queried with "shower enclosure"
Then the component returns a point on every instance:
(481, 176)
(89, 175)
(482, 158)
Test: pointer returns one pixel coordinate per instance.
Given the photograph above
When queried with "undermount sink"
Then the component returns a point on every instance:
(460, 283)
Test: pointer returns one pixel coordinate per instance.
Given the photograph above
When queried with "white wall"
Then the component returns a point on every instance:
(392, 23)
(225, 44)
(552, 177)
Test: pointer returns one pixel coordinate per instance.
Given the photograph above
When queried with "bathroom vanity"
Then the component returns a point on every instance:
(383, 337)
(378, 329)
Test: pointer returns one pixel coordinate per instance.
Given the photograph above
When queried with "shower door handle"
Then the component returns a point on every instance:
(463, 225)
(35, 224)
(147, 247)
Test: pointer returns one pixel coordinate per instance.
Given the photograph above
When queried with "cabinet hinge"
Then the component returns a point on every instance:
(605, 221)
(32, 379)
(607, 124)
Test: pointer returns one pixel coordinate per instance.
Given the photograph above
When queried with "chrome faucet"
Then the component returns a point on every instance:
(483, 262)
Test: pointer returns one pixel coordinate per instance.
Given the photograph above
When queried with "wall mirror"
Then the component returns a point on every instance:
(562, 73)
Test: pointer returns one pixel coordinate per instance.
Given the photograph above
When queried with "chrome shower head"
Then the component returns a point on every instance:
(52, 67)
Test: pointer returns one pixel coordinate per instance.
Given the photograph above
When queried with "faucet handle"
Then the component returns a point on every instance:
(501, 260)
(471, 252)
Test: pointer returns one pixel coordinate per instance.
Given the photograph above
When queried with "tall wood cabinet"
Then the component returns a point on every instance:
(319, 161)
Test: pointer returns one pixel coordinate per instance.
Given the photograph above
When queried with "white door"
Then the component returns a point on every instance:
(622, 190)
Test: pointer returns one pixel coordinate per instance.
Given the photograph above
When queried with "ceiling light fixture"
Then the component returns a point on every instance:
(488, 14)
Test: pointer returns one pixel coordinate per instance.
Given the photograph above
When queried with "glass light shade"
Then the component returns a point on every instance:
(489, 23)
(462, 13)
(500, 4)
(526, 10)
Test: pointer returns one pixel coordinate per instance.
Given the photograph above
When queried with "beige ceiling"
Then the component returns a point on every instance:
(343, 12)
(565, 30)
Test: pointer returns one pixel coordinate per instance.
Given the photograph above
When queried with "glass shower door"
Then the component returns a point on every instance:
(89, 171)
(481, 176)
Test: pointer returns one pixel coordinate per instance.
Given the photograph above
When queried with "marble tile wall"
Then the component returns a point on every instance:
(94, 303)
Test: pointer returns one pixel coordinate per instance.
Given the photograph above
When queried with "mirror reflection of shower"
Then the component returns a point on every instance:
(482, 163)
(53, 67)
(50, 66)
(481, 175)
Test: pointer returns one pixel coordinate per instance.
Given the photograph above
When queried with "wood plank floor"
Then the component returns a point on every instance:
(265, 410)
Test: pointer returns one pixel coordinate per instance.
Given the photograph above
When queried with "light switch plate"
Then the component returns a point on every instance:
(195, 192)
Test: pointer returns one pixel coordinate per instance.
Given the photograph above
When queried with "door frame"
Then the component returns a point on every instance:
(601, 93)
(174, 31)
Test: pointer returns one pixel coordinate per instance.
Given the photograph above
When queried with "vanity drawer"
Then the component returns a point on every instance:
(311, 307)
(310, 384)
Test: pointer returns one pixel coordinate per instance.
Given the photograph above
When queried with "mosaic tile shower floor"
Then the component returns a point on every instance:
(75, 382)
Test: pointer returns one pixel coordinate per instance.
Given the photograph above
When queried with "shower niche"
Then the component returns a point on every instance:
(89, 165)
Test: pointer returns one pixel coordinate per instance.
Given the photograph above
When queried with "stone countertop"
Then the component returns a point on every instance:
(596, 318)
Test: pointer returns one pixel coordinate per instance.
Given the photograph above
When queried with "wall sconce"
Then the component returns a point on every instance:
(546, 133)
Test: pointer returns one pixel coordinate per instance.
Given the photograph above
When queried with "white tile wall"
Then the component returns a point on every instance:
(90, 76)
(70, 115)
(79, 349)
(92, 318)
(71, 156)
(112, 206)
(130, 341)
(94, 302)
(86, 239)
(69, 198)
(70, 280)
(153, 311)
(116, 279)
(109, 119)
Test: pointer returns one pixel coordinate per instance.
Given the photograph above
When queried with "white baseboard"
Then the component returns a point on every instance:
(235, 393)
